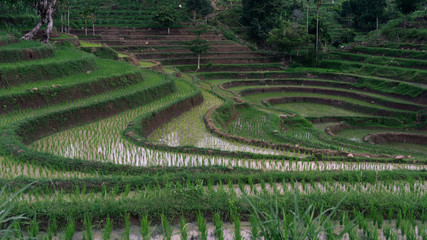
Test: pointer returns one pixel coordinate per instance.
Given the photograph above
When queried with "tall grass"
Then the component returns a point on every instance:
(7, 219)
(276, 224)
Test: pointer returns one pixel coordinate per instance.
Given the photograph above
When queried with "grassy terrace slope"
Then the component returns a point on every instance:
(172, 49)
(111, 145)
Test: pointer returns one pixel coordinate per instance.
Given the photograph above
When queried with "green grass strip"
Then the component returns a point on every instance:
(65, 62)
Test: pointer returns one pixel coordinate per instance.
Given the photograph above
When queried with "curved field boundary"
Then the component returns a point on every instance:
(69, 62)
(139, 129)
(14, 137)
(408, 91)
(26, 54)
(308, 82)
(58, 94)
(230, 67)
(341, 104)
(388, 137)
(317, 152)
(380, 60)
(333, 130)
(396, 73)
(391, 52)
(358, 96)
(224, 60)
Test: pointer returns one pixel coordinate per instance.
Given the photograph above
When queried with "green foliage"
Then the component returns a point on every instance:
(7, 218)
(104, 52)
(66, 62)
(406, 6)
(324, 36)
(276, 223)
(25, 50)
(166, 16)
(199, 7)
(198, 46)
(288, 37)
(363, 12)
(347, 36)
(261, 17)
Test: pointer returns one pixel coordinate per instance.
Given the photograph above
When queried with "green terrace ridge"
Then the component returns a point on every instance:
(25, 50)
(391, 52)
(109, 75)
(114, 132)
(152, 81)
(379, 60)
(65, 62)
(376, 95)
(398, 73)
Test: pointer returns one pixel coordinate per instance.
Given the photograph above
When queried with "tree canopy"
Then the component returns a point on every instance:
(365, 13)
(261, 17)
(199, 7)
(166, 16)
(288, 37)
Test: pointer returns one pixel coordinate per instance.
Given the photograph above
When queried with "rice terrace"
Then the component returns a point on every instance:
(213, 119)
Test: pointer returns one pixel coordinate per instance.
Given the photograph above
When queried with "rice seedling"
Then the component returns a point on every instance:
(237, 230)
(108, 228)
(219, 232)
(33, 229)
(70, 229)
(88, 228)
(126, 233)
(145, 227)
(183, 228)
(166, 227)
(201, 223)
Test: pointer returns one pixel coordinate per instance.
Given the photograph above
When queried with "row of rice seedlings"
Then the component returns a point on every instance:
(189, 130)
(263, 188)
(120, 151)
(11, 169)
(398, 187)
(250, 124)
(370, 227)
(200, 229)
(106, 145)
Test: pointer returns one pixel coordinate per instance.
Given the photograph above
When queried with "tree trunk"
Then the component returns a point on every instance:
(198, 62)
(51, 10)
(404, 22)
(93, 28)
(62, 22)
(317, 32)
(85, 28)
(290, 57)
(68, 21)
(169, 31)
(377, 22)
(307, 15)
(33, 32)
